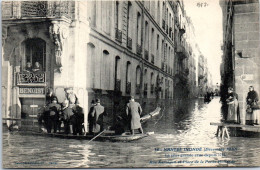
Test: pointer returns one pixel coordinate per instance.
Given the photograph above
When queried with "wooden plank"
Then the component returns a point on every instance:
(234, 125)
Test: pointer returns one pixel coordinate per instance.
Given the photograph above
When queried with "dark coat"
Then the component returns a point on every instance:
(252, 96)
(97, 115)
(49, 98)
(134, 110)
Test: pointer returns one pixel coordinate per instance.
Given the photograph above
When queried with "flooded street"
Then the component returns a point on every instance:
(182, 136)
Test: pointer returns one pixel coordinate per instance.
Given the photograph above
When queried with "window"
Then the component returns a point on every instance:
(146, 35)
(117, 14)
(128, 17)
(158, 12)
(35, 51)
(138, 28)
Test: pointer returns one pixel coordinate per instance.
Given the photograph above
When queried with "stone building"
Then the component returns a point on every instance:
(240, 60)
(100, 49)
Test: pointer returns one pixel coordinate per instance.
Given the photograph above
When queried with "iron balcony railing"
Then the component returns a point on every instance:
(138, 49)
(152, 59)
(38, 9)
(31, 78)
(163, 24)
(129, 42)
(118, 35)
(146, 56)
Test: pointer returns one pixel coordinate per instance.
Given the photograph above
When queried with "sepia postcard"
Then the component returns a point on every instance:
(130, 84)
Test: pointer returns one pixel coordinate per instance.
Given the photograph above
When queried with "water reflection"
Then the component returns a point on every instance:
(186, 125)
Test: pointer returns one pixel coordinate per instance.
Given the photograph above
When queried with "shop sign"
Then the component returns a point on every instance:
(32, 90)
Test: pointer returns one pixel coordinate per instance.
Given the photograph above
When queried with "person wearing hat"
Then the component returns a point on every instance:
(50, 96)
(133, 111)
(252, 111)
(97, 115)
(53, 109)
(67, 114)
(233, 111)
(77, 120)
(91, 118)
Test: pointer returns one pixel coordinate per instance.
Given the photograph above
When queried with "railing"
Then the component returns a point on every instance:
(35, 9)
(128, 88)
(152, 59)
(118, 35)
(152, 88)
(163, 24)
(118, 85)
(182, 30)
(129, 42)
(138, 49)
(181, 51)
(138, 89)
(30, 78)
(146, 56)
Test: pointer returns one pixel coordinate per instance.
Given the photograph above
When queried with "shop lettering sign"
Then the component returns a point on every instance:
(30, 78)
(32, 90)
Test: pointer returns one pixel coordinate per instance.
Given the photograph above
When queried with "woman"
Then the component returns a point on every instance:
(232, 101)
(252, 111)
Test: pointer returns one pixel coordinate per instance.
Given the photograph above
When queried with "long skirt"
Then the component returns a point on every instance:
(232, 116)
(253, 117)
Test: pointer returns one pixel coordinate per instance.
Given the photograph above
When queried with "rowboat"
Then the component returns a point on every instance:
(150, 115)
(108, 136)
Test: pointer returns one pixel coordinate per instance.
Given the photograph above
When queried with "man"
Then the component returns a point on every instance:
(53, 109)
(37, 67)
(50, 96)
(77, 120)
(67, 114)
(28, 67)
(97, 115)
(134, 110)
(91, 118)
(252, 110)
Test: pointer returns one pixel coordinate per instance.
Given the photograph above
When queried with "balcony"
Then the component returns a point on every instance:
(152, 59)
(146, 56)
(152, 88)
(129, 42)
(118, 85)
(128, 88)
(181, 77)
(38, 9)
(138, 89)
(163, 24)
(181, 51)
(138, 49)
(31, 79)
(118, 35)
(182, 30)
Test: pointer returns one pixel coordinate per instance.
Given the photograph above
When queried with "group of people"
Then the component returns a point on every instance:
(68, 112)
(208, 96)
(252, 108)
(71, 115)
(36, 68)
(132, 121)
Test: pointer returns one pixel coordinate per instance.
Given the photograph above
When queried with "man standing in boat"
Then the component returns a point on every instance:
(133, 111)
(97, 114)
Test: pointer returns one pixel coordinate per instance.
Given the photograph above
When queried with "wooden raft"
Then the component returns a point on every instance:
(222, 128)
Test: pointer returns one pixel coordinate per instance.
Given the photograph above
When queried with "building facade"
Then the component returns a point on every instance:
(241, 49)
(100, 49)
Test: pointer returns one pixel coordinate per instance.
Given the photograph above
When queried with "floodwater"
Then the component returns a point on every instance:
(182, 137)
